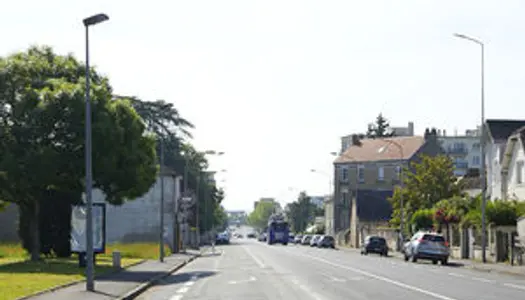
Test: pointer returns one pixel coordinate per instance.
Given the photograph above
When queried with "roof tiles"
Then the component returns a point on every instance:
(392, 148)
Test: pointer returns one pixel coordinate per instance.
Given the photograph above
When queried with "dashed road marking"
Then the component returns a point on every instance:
(176, 297)
(520, 287)
(183, 290)
(456, 275)
(307, 290)
(251, 279)
(482, 279)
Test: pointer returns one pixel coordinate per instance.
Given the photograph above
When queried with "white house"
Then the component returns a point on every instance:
(512, 171)
(500, 134)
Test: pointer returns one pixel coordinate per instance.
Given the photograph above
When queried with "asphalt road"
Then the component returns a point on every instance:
(249, 269)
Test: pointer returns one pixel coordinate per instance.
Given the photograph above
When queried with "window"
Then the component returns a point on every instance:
(519, 172)
(343, 173)
(476, 146)
(361, 173)
(476, 160)
(380, 173)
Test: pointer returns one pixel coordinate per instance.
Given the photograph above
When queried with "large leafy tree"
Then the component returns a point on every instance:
(426, 182)
(301, 212)
(258, 218)
(380, 128)
(42, 136)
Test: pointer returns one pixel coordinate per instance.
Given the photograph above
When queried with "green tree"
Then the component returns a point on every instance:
(258, 218)
(380, 128)
(426, 182)
(42, 136)
(301, 212)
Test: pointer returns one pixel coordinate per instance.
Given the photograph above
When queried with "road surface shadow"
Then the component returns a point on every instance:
(185, 276)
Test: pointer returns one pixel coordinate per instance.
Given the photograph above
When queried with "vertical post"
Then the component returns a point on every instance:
(483, 175)
(401, 211)
(176, 237)
(197, 205)
(90, 284)
(161, 225)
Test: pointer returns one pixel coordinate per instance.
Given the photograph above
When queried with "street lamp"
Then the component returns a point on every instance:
(482, 143)
(161, 210)
(329, 179)
(90, 284)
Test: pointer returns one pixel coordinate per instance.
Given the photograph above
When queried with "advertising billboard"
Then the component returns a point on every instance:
(78, 228)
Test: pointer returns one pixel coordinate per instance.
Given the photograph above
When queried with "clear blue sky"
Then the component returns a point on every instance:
(274, 84)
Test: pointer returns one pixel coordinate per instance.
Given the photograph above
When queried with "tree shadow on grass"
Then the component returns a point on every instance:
(56, 266)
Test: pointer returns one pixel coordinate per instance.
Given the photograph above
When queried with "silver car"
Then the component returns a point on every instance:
(315, 239)
(427, 245)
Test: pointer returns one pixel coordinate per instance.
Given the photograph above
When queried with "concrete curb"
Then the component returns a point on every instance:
(68, 284)
(146, 285)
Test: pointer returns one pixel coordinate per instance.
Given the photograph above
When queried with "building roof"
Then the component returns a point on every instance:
(382, 149)
(501, 130)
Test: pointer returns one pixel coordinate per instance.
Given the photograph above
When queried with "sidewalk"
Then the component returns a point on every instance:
(502, 268)
(116, 285)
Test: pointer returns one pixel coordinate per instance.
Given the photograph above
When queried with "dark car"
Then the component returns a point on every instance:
(375, 244)
(326, 241)
(251, 235)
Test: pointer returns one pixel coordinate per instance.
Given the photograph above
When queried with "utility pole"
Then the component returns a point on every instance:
(161, 225)
(197, 225)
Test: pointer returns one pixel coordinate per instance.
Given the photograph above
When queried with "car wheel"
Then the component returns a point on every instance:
(406, 257)
(414, 258)
(434, 261)
(444, 261)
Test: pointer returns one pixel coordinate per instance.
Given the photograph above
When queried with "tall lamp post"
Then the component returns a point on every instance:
(330, 185)
(161, 218)
(482, 143)
(90, 284)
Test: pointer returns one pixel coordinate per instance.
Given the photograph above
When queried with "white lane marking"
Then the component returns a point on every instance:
(520, 287)
(307, 290)
(332, 278)
(176, 297)
(482, 279)
(385, 279)
(258, 261)
(189, 283)
(251, 279)
(183, 290)
(456, 275)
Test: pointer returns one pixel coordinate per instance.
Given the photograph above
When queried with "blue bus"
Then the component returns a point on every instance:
(278, 230)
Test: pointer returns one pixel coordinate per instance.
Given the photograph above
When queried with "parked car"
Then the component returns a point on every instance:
(251, 235)
(222, 238)
(375, 244)
(297, 239)
(427, 245)
(291, 238)
(326, 241)
(262, 237)
(306, 239)
(314, 240)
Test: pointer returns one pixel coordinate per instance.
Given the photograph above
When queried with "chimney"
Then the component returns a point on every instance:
(444, 132)
(356, 140)
(430, 134)
(410, 129)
